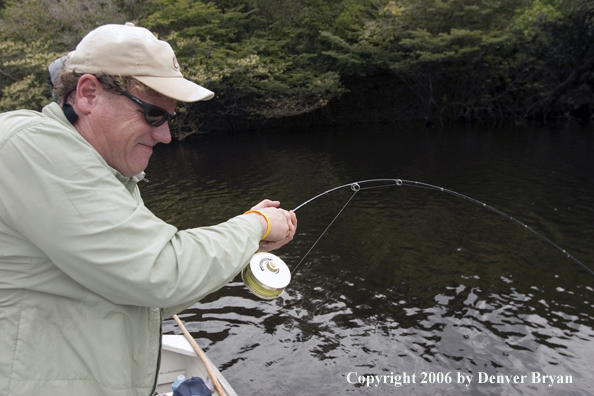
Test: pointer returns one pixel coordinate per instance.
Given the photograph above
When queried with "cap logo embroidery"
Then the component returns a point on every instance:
(175, 64)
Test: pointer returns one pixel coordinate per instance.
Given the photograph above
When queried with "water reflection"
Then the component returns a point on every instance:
(406, 280)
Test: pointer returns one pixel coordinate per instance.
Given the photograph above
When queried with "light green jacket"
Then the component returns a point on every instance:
(87, 272)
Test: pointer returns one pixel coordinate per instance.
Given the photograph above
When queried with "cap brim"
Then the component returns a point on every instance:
(177, 88)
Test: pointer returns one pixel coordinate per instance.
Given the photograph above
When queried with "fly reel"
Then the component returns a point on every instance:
(266, 276)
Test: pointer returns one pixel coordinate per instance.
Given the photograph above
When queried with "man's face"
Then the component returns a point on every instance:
(123, 137)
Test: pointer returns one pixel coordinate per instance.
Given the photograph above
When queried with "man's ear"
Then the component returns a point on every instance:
(88, 90)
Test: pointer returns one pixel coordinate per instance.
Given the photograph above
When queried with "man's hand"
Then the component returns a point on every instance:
(283, 225)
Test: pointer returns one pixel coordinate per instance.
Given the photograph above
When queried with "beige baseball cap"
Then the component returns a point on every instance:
(129, 50)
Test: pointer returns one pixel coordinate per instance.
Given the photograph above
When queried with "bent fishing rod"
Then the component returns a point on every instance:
(267, 275)
(373, 183)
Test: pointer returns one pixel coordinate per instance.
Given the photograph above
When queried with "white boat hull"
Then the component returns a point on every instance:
(178, 358)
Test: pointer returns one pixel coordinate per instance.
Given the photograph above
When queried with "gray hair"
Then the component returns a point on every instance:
(63, 83)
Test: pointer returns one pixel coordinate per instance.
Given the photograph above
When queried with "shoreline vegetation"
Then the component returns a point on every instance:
(333, 62)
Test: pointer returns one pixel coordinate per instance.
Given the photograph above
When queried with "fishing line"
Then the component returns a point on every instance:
(357, 186)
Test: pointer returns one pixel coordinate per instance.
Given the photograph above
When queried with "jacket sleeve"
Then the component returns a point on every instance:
(61, 197)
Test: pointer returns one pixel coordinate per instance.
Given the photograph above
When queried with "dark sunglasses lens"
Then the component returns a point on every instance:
(156, 117)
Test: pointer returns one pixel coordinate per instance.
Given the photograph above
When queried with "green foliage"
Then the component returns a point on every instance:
(23, 67)
(468, 59)
(26, 93)
(250, 72)
(59, 23)
(464, 59)
(558, 52)
(527, 20)
(35, 33)
(189, 19)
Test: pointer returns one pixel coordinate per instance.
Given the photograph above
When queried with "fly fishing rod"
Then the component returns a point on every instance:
(273, 275)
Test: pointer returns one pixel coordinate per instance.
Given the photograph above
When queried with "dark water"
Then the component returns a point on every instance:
(407, 280)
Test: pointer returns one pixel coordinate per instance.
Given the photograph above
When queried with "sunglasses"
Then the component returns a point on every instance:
(154, 115)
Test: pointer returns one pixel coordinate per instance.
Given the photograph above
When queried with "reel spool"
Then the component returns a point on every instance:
(266, 276)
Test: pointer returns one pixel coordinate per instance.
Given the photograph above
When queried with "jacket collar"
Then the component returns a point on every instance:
(54, 111)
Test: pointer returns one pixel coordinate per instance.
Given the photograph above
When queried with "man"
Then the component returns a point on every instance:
(87, 272)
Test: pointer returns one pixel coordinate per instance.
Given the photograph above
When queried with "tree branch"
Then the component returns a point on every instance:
(8, 75)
